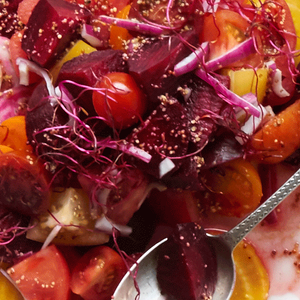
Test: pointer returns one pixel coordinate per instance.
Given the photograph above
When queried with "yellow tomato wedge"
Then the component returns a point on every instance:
(246, 81)
(13, 134)
(118, 34)
(8, 290)
(235, 187)
(71, 208)
(80, 47)
(252, 281)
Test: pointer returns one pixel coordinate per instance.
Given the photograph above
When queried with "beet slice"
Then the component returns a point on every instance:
(87, 69)
(187, 265)
(9, 20)
(152, 64)
(163, 134)
(51, 27)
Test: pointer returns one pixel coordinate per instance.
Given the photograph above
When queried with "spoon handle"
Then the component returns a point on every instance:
(236, 234)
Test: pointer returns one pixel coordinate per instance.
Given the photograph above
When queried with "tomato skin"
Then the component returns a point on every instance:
(279, 137)
(44, 275)
(127, 105)
(97, 274)
(235, 187)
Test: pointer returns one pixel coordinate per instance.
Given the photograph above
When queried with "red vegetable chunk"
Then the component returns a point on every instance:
(23, 186)
(87, 69)
(9, 20)
(164, 135)
(152, 64)
(51, 27)
(187, 266)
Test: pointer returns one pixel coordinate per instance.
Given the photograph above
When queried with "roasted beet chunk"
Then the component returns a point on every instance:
(9, 20)
(187, 266)
(152, 64)
(52, 25)
(87, 69)
(164, 135)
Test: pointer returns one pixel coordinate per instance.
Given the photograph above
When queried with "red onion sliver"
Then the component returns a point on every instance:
(132, 25)
(226, 94)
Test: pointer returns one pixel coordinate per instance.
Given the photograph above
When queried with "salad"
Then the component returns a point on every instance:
(122, 118)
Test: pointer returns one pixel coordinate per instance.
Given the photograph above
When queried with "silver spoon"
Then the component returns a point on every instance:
(223, 244)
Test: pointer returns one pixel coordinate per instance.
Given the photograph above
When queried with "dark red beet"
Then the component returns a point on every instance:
(164, 134)
(19, 245)
(52, 25)
(87, 69)
(9, 20)
(187, 266)
(152, 64)
(23, 186)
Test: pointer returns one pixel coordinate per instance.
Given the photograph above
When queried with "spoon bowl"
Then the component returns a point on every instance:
(144, 270)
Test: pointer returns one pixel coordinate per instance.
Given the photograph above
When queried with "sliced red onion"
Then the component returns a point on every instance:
(106, 225)
(253, 123)
(27, 65)
(54, 232)
(226, 94)
(192, 61)
(210, 6)
(237, 53)
(165, 167)
(88, 34)
(277, 87)
(132, 25)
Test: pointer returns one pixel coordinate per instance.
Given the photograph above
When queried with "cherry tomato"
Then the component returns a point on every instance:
(279, 137)
(44, 275)
(97, 274)
(121, 102)
(235, 187)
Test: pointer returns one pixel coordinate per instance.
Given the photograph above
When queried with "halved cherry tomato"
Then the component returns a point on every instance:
(121, 102)
(44, 275)
(23, 183)
(97, 274)
(235, 187)
(279, 137)
(226, 29)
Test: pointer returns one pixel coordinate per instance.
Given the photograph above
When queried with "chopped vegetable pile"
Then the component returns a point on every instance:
(121, 115)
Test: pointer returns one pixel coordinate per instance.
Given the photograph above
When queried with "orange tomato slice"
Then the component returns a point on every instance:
(235, 187)
(252, 280)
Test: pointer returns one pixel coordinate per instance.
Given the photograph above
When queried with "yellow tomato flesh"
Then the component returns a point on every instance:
(80, 47)
(8, 290)
(252, 281)
(119, 35)
(246, 81)
(235, 186)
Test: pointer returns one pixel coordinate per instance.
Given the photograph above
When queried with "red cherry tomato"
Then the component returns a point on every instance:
(121, 102)
(44, 275)
(97, 274)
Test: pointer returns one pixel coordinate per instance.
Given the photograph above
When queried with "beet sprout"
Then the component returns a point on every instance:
(125, 258)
